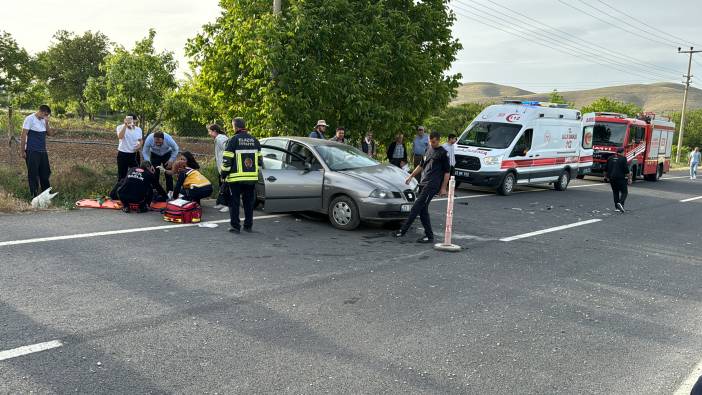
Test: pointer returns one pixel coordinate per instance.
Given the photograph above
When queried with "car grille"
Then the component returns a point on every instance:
(467, 162)
(410, 195)
(397, 195)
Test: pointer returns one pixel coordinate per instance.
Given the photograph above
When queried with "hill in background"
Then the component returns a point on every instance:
(660, 97)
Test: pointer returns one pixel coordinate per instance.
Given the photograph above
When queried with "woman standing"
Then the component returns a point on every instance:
(694, 162)
(130, 137)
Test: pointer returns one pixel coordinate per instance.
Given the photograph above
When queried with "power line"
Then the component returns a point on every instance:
(577, 40)
(527, 35)
(615, 25)
(647, 24)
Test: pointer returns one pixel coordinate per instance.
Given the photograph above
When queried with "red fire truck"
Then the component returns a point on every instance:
(647, 142)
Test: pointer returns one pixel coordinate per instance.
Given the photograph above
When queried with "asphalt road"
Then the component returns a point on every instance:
(608, 307)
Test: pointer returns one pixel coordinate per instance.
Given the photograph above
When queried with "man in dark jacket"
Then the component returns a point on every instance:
(435, 169)
(137, 187)
(397, 151)
(619, 177)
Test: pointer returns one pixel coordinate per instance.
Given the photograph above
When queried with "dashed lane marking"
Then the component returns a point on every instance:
(691, 199)
(25, 350)
(550, 230)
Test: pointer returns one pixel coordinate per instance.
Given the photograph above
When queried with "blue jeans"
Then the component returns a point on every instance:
(693, 169)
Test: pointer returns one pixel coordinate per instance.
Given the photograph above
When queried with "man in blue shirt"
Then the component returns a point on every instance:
(161, 150)
(319, 129)
(419, 145)
(33, 149)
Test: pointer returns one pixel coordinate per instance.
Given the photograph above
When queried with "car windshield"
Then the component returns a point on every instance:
(490, 135)
(609, 133)
(343, 157)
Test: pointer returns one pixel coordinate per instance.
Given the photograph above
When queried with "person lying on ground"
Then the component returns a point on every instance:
(137, 188)
(190, 182)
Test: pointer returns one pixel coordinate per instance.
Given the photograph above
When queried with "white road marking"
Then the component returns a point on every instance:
(119, 232)
(550, 230)
(19, 351)
(588, 185)
(691, 199)
(690, 381)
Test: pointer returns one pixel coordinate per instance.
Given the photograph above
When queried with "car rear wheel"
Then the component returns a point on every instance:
(507, 185)
(343, 213)
(563, 181)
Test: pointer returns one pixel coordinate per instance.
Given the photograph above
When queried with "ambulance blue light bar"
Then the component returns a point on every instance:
(536, 103)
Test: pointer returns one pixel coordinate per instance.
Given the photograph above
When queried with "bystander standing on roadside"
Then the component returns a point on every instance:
(368, 145)
(220, 144)
(319, 129)
(35, 128)
(130, 137)
(694, 162)
(450, 148)
(619, 177)
(161, 150)
(435, 169)
(340, 136)
(420, 144)
(397, 152)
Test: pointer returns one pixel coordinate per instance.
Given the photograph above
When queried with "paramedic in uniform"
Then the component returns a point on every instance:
(435, 169)
(619, 176)
(240, 164)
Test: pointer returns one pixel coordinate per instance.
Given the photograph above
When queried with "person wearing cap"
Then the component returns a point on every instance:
(619, 177)
(420, 144)
(340, 136)
(319, 129)
(35, 128)
(241, 162)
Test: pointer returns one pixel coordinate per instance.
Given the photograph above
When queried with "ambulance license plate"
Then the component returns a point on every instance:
(406, 208)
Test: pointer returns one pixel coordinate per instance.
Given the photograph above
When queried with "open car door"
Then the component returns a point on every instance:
(289, 181)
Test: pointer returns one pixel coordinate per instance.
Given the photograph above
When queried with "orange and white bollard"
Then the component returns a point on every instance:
(447, 245)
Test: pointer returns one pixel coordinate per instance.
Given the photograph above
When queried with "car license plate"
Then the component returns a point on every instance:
(461, 173)
(406, 208)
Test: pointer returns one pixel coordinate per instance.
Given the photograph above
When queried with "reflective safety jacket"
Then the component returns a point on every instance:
(242, 158)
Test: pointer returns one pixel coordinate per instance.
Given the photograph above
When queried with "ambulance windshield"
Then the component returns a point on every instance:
(490, 135)
(609, 133)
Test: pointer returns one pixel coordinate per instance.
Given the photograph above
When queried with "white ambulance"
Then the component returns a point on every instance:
(520, 142)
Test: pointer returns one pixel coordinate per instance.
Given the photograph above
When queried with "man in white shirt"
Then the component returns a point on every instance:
(130, 137)
(33, 149)
(450, 148)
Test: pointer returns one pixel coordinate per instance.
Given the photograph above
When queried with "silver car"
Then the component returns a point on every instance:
(304, 174)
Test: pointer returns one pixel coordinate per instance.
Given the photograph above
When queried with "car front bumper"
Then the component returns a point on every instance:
(382, 210)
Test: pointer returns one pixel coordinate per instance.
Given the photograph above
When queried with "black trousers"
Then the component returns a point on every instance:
(223, 196)
(620, 190)
(421, 209)
(246, 192)
(195, 194)
(124, 162)
(157, 160)
(38, 172)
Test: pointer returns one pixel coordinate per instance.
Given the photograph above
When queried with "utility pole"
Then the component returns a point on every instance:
(277, 7)
(688, 77)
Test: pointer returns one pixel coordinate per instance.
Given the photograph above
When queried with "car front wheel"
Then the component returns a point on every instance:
(343, 213)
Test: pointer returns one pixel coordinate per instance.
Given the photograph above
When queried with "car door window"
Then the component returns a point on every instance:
(296, 161)
(523, 144)
(274, 159)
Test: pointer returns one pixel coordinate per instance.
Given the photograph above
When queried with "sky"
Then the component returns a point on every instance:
(595, 42)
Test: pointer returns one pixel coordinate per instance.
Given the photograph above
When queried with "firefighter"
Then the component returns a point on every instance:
(619, 177)
(240, 164)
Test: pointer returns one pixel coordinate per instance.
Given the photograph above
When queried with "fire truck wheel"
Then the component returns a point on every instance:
(563, 181)
(507, 185)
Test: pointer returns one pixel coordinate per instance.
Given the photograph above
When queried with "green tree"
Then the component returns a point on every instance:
(16, 67)
(140, 80)
(95, 96)
(693, 127)
(605, 104)
(454, 119)
(70, 62)
(557, 98)
(189, 109)
(359, 63)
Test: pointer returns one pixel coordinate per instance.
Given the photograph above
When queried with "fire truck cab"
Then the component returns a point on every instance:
(647, 142)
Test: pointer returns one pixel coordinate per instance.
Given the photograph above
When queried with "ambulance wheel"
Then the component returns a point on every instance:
(562, 183)
(507, 185)
(343, 213)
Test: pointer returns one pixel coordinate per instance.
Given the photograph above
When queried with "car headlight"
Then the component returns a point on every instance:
(492, 160)
(380, 194)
